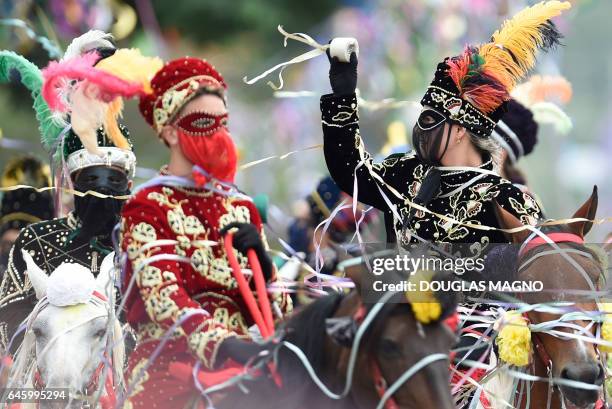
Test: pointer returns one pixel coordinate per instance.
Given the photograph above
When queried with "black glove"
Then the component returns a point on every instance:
(342, 75)
(247, 237)
(242, 351)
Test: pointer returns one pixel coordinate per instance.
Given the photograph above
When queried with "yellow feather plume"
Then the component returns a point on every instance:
(111, 128)
(511, 52)
(130, 65)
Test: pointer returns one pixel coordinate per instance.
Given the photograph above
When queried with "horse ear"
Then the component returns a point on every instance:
(355, 273)
(105, 279)
(38, 278)
(507, 220)
(586, 211)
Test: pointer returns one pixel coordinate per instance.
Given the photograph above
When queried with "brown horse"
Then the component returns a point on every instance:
(392, 344)
(568, 359)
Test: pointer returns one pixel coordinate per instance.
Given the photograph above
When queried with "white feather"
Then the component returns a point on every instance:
(87, 42)
(550, 113)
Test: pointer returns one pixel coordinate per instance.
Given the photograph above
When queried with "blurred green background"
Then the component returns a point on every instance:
(400, 42)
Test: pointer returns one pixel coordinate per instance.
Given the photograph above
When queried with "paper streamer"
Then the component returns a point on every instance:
(281, 157)
(343, 47)
(387, 103)
(301, 37)
(551, 222)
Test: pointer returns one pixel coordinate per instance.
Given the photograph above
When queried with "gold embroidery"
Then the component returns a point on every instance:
(238, 214)
(206, 343)
(138, 377)
(144, 233)
(221, 316)
(150, 276)
(175, 220)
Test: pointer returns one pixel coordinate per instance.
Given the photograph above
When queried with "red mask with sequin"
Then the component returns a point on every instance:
(206, 142)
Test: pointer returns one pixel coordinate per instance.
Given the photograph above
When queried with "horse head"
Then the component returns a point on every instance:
(70, 329)
(403, 356)
(565, 269)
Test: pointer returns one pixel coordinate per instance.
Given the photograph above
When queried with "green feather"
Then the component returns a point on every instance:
(31, 77)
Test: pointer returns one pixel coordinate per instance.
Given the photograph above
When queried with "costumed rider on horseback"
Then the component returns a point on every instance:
(454, 171)
(173, 232)
(84, 235)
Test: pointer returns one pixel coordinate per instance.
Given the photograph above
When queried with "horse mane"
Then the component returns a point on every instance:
(118, 352)
(24, 365)
(306, 330)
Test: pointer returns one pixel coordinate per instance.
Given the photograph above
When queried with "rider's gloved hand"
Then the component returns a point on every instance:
(247, 237)
(342, 75)
(242, 351)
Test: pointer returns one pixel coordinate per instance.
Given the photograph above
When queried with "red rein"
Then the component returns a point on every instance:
(262, 313)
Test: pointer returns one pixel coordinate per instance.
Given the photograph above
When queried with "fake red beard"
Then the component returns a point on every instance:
(207, 143)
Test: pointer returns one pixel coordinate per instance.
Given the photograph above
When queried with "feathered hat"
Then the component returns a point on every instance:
(24, 206)
(86, 89)
(472, 89)
(175, 85)
(14, 67)
(533, 103)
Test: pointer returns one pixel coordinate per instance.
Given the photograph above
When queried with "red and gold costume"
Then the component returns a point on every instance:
(183, 280)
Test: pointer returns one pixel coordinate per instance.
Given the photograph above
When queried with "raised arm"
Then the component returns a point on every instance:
(345, 152)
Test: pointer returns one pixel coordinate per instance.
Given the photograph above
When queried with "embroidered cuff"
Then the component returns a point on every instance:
(205, 342)
(339, 110)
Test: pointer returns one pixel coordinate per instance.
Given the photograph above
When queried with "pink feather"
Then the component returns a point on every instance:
(57, 77)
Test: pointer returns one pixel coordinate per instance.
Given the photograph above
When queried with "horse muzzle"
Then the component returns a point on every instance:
(590, 373)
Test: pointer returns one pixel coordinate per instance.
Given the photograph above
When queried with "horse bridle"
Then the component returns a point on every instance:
(106, 402)
(530, 244)
(380, 383)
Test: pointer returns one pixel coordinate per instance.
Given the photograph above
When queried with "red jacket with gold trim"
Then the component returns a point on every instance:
(167, 234)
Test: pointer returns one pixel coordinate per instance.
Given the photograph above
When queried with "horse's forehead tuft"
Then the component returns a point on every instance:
(70, 284)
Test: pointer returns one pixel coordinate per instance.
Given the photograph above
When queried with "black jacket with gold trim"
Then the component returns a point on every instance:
(466, 195)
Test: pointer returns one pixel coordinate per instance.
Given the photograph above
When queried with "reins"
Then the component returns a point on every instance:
(535, 240)
(106, 402)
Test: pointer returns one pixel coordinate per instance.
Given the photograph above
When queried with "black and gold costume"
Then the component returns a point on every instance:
(50, 243)
(466, 194)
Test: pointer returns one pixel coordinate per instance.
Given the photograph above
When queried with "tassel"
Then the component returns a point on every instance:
(606, 327)
(425, 305)
(514, 339)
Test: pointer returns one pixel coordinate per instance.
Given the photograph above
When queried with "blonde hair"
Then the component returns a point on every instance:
(490, 147)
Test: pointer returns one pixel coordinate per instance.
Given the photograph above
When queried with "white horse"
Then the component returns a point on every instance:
(73, 339)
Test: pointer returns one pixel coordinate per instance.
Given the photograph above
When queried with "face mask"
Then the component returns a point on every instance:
(99, 215)
(206, 142)
(428, 135)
